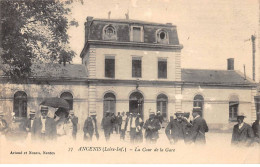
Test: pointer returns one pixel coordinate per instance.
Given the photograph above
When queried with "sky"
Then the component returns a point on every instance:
(211, 31)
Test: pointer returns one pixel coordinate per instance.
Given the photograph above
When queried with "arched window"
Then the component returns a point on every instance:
(198, 102)
(68, 97)
(233, 107)
(109, 103)
(162, 36)
(136, 103)
(109, 33)
(20, 104)
(162, 103)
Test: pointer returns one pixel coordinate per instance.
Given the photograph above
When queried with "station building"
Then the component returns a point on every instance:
(135, 66)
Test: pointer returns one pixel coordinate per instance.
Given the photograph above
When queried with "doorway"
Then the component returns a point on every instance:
(136, 103)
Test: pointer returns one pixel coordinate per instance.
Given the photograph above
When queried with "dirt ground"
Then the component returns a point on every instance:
(217, 150)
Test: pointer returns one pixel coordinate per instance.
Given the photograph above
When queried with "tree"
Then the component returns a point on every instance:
(33, 31)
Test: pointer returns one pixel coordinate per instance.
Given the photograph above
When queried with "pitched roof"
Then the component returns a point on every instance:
(214, 77)
(72, 71)
(133, 22)
(57, 71)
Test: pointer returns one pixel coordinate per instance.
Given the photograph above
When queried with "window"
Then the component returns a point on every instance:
(68, 97)
(198, 102)
(162, 37)
(20, 104)
(162, 68)
(110, 67)
(109, 103)
(109, 33)
(137, 67)
(136, 34)
(257, 103)
(162, 102)
(233, 107)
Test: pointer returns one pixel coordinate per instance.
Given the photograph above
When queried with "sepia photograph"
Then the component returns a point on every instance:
(129, 82)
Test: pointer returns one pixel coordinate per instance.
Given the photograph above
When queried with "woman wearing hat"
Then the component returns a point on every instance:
(242, 132)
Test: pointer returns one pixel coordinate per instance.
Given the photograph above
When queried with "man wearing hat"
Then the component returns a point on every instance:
(44, 127)
(118, 122)
(125, 118)
(135, 124)
(199, 127)
(139, 126)
(151, 126)
(3, 123)
(107, 124)
(90, 127)
(242, 132)
(159, 116)
(187, 128)
(74, 120)
(29, 121)
(256, 128)
(175, 130)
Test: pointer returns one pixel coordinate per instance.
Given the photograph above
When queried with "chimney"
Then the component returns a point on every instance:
(230, 64)
(87, 27)
(109, 13)
(89, 18)
(127, 15)
(253, 53)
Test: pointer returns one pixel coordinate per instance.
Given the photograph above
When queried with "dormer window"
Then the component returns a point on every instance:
(162, 37)
(137, 34)
(109, 33)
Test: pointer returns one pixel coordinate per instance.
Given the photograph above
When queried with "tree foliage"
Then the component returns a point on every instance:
(33, 31)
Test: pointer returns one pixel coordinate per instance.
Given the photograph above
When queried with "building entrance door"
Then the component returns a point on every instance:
(136, 103)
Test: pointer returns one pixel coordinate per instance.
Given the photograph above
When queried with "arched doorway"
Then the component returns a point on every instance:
(109, 103)
(68, 97)
(162, 102)
(136, 103)
(20, 104)
(198, 102)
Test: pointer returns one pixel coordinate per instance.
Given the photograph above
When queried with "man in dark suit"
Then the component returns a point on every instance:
(151, 126)
(107, 124)
(90, 127)
(199, 127)
(44, 127)
(175, 130)
(119, 122)
(74, 119)
(243, 134)
(256, 128)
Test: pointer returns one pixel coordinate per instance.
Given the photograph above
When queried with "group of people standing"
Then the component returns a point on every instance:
(179, 129)
(185, 131)
(47, 128)
(130, 126)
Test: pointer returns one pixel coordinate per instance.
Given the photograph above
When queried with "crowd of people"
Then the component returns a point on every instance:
(130, 127)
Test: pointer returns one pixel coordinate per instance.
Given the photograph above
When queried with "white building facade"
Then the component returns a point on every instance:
(134, 66)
